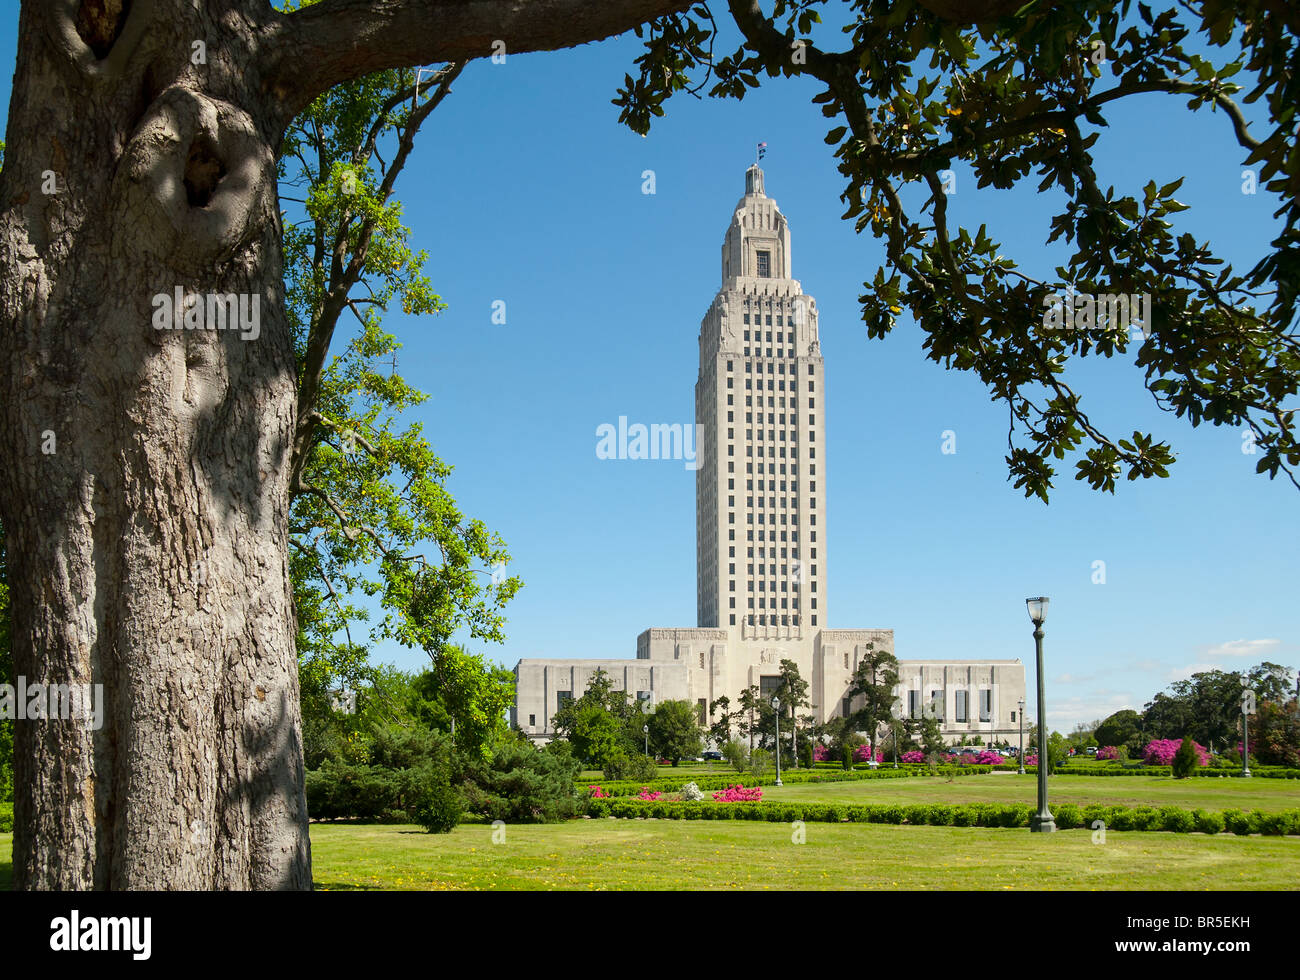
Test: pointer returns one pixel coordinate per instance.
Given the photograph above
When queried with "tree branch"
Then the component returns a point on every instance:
(317, 47)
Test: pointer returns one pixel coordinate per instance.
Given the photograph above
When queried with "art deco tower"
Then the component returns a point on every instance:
(760, 494)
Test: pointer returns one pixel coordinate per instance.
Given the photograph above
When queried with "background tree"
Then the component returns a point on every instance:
(721, 729)
(874, 681)
(1207, 705)
(1275, 733)
(1013, 91)
(675, 732)
(930, 733)
(1121, 728)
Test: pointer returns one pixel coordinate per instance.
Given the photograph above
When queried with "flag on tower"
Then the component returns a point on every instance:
(762, 150)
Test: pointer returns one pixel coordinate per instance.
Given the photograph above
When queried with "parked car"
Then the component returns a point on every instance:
(713, 756)
(1092, 750)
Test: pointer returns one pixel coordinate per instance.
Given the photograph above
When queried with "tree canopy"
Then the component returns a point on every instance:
(1017, 92)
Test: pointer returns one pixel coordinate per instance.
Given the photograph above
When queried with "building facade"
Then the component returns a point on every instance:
(761, 530)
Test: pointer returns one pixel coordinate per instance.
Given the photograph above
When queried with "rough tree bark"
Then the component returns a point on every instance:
(143, 486)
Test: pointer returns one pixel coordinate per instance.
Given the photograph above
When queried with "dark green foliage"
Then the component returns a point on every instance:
(6, 818)
(521, 784)
(1020, 101)
(435, 805)
(675, 732)
(1121, 729)
(1175, 819)
(1186, 761)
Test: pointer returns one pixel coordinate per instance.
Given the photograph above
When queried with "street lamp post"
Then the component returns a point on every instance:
(894, 728)
(1021, 758)
(646, 730)
(1042, 821)
(794, 737)
(1245, 734)
(776, 706)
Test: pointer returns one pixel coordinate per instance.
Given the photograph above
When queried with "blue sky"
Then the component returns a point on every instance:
(523, 188)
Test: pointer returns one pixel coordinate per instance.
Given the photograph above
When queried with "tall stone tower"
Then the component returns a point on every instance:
(760, 494)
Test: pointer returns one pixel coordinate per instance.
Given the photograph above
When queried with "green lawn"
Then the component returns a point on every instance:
(1212, 794)
(675, 854)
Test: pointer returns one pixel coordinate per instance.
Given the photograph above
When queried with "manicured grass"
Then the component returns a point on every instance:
(1211, 794)
(673, 854)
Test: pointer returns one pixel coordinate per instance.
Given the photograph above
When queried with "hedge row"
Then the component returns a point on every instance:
(631, 787)
(1068, 816)
(6, 818)
(1262, 772)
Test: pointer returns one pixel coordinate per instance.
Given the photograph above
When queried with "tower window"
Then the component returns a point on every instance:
(765, 264)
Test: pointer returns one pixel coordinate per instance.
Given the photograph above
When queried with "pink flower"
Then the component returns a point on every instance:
(738, 794)
(1161, 752)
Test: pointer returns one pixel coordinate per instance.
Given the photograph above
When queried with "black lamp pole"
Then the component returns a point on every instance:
(1042, 822)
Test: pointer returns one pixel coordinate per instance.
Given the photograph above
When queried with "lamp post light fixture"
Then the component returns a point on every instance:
(646, 730)
(776, 706)
(1042, 821)
(893, 727)
(1021, 757)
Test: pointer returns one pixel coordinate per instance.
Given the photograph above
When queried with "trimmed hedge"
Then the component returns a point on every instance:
(6, 818)
(1068, 816)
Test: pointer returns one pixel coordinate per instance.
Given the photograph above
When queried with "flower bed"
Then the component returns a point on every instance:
(738, 794)
(611, 788)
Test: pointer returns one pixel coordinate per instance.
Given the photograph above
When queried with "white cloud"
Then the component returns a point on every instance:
(1241, 648)
(1064, 713)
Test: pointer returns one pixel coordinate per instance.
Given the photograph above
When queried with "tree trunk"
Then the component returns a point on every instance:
(143, 491)
(144, 480)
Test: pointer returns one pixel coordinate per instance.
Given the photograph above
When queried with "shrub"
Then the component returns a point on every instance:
(691, 793)
(913, 756)
(738, 794)
(521, 784)
(760, 761)
(620, 765)
(434, 805)
(736, 754)
(1185, 760)
(1236, 822)
(1108, 752)
(846, 757)
(1175, 819)
(6, 818)
(1161, 752)
(1208, 821)
(1068, 816)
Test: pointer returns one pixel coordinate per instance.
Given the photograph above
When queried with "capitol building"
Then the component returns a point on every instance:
(761, 528)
